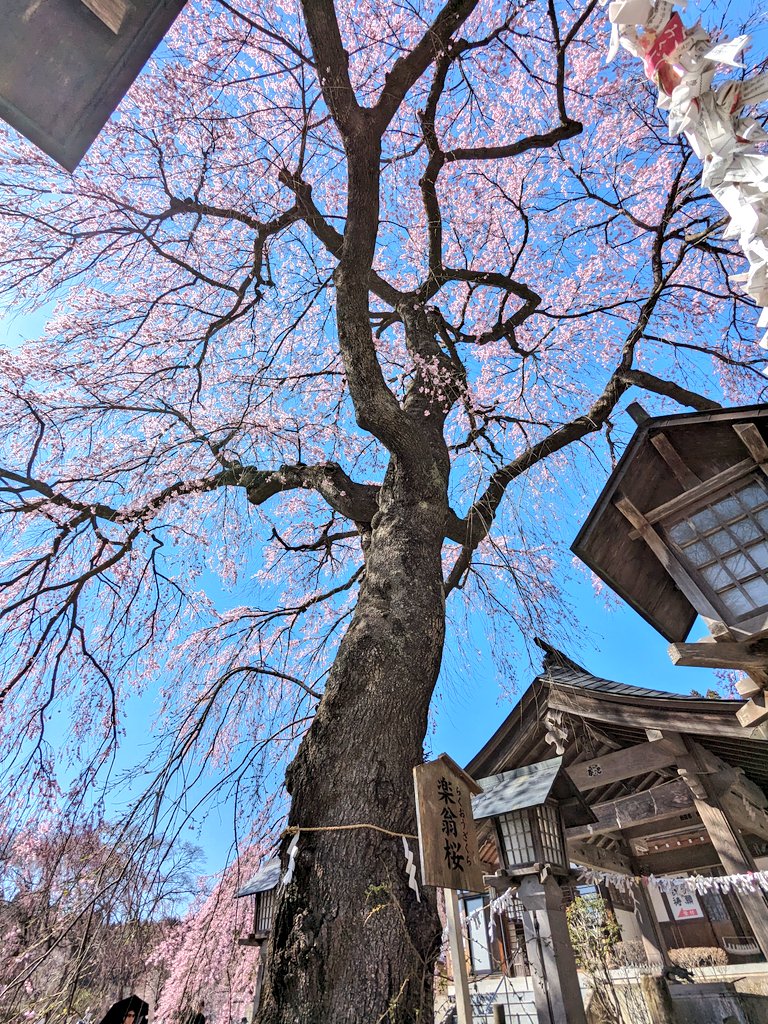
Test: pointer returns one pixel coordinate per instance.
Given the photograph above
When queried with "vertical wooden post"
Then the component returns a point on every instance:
(456, 940)
(554, 977)
(259, 980)
(653, 943)
(729, 845)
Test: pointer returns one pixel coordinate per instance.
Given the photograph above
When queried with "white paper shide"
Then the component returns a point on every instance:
(682, 62)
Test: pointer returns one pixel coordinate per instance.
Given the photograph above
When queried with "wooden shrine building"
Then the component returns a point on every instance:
(676, 786)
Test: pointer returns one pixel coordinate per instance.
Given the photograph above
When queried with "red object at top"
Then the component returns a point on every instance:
(664, 45)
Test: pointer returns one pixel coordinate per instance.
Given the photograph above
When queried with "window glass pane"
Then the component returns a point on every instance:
(762, 518)
(722, 542)
(753, 494)
(699, 553)
(682, 532)
(747, 529)
(716, 576)
(736, 602)
(704, 520)
(729, 508)
(758, 590)
(739, 566)
(759, 553)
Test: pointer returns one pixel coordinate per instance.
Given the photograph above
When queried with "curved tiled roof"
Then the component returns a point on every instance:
(571, 674)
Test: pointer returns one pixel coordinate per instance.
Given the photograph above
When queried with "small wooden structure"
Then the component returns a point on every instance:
(528, 808)
(675, 786)
(681, 529)
(65, 65)
(263, 887)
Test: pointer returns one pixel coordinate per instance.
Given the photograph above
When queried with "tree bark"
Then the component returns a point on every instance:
(350, 942)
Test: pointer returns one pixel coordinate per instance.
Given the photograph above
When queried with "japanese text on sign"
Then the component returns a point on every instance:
(447, 839)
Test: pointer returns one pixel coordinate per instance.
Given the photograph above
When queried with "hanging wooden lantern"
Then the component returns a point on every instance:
(681, 529)
(263, 887)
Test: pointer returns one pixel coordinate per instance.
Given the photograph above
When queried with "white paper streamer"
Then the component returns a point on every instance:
(293, 848)
(750, 881)
(410, 869)
(682, 62)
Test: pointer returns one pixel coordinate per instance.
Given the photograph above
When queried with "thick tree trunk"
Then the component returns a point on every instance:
(351, 943)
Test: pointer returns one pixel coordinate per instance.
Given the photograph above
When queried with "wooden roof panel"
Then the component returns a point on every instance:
(708, 444)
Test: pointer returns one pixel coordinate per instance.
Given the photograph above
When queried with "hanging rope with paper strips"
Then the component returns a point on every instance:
(294, 831)
(682, 62)
(750, 881)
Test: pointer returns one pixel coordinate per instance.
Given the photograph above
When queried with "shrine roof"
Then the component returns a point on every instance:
(265, 878)
(511, 791)
(615, 715)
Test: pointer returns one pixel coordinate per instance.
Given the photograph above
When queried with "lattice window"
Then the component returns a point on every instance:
(265, 911)
(726, 544)
(518, 838)
(553, 850)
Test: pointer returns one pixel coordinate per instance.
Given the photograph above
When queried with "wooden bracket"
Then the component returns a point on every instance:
(753, 441)
(622, 764)
(754, 711)
(693, 782)
(110, 12)
(683, 473)
(748, 687)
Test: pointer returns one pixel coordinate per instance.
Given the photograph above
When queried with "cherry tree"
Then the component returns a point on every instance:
(82, 913)
(201, 957)
(348, 301)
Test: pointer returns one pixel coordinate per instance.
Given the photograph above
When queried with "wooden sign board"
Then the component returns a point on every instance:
(66, 64)
(447, 835)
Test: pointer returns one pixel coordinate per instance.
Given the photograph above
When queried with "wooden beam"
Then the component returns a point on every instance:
(639, 809)
(637, 412)
(753, 440)
(683, 473)
(746, 655)
(623, 764)
(702, 490)
(592, 856)
(678, 859)
(110, 12)
(668, 559)
(616, 710)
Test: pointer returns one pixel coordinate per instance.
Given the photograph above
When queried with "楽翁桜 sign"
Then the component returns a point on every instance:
(447, 835)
